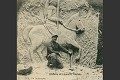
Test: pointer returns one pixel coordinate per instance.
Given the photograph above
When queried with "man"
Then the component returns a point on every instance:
(53, 53)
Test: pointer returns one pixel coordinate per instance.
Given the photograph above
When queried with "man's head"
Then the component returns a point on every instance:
(54, 38)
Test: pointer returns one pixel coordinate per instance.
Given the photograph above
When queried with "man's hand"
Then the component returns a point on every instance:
(77, 59)
(69, 52)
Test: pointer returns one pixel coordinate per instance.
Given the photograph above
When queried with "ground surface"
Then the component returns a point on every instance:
(42, 72)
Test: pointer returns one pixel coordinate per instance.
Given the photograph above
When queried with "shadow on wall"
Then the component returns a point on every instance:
(98, 5)
(99, 60)
(20, 3)
(96, 2)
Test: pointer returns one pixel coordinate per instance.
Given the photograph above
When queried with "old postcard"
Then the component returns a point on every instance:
(59, 40)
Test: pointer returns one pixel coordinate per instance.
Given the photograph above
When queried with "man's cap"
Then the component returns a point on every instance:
(55, 35)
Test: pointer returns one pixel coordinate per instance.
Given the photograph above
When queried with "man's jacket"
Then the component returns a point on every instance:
(54, 47)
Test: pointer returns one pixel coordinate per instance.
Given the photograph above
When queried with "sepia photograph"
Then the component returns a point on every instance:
(59, 40)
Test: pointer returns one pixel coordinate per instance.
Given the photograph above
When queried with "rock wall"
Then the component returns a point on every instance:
(88, 41)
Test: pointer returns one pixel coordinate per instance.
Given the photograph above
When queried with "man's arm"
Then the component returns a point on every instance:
(63, 49)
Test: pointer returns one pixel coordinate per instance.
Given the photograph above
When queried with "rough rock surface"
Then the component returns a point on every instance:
(88, 41)
(41, 71)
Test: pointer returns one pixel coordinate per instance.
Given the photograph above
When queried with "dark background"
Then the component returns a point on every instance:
(8, 12)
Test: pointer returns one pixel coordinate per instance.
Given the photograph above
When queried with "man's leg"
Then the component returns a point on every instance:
(59, 63)
(49, 60)
(60, 66)
(52, 60)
